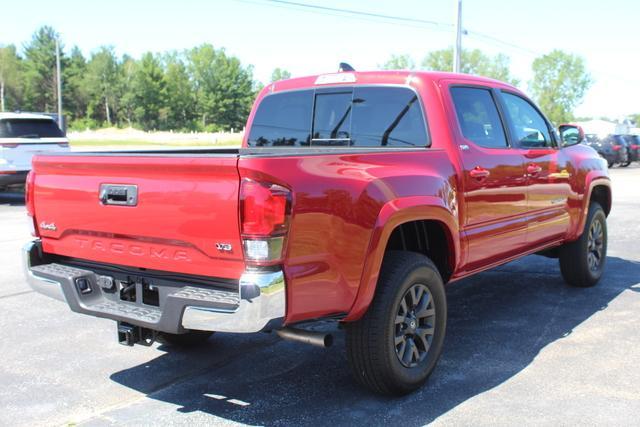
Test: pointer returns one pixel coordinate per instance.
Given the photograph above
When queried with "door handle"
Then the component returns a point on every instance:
(533, 169)
(479, 173)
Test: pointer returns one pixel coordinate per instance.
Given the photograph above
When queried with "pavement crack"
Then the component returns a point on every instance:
(15, 294)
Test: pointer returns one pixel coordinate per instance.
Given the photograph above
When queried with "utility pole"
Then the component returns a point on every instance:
(59, 83)
(458, 46)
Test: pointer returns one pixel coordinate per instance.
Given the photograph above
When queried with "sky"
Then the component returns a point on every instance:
(267, 35)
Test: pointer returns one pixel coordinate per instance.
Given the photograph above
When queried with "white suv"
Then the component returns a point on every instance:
(21, 136)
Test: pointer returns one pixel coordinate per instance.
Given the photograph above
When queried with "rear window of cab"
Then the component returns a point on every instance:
(366, 116)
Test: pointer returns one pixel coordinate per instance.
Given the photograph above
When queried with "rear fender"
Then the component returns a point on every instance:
(392, 214)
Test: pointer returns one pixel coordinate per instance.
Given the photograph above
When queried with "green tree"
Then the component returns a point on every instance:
(471, 62)
(102, 83)
(39, 70)
(127, 103)
(74, 93)
(399, 62)
(223, 88)
(149, 88)
(560, 81)
(280, 74)
(10, 81)
(180, 94)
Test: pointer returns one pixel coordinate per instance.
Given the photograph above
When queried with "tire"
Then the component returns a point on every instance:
(582, 261)
(189, 339)
(610, 164)
(624, 165)
(373, 349)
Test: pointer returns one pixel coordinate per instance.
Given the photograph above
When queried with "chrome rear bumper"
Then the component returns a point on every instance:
(258, 304)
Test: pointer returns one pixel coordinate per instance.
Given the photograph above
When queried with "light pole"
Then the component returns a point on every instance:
(458, 46)
(59, 83)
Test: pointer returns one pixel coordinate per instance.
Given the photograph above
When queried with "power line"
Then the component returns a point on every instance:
(322, 11)
(496, 40)
(389, 19)
(360, 13)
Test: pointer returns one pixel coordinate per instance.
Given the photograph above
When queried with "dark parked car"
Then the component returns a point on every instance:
(613, 148)
(620, 144)
(634, 147)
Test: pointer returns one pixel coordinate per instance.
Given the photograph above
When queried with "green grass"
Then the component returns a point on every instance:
(128, 143)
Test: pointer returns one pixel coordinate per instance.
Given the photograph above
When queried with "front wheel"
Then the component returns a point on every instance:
(582, 262)
(395, 346)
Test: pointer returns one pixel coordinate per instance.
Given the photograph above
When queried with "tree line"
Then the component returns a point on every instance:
(559, 84)
(206, 89)
(202, 88)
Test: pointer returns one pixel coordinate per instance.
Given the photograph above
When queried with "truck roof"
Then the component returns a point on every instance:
(19, 115)
(391, 77)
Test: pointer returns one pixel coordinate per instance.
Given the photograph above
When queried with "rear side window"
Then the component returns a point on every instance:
(29, 128)
(283, 119)
(387, 117)
(478, 117)
(344, 117)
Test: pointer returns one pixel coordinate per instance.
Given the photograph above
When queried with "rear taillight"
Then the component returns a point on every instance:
(265, 209)
(9, 145)
(635, 146)
(29, 202)
(616, 148)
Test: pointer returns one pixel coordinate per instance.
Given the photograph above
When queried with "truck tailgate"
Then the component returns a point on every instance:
(186, 205)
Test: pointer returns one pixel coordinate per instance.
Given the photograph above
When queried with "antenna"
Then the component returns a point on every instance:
(345, 67)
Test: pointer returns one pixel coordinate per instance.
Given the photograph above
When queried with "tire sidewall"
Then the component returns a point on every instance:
(415, 376)
(595, 214)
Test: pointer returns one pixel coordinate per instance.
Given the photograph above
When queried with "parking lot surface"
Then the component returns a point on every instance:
(521, 348)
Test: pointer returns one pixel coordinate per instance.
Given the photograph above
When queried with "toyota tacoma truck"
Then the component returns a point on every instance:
(355, 197)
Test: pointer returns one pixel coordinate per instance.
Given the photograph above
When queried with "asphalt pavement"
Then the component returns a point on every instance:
(521, 348)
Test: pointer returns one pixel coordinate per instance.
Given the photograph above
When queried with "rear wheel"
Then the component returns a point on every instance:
(582, 262)
(189, 339)
(395, 346)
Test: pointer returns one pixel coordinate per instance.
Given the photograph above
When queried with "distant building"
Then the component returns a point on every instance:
(604, 127)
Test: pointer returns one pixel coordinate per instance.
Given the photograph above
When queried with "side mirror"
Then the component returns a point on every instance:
(571, 134)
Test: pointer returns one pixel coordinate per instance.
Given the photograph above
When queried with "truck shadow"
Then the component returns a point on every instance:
(498, 323)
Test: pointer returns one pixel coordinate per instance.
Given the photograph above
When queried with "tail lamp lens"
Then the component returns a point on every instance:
(616, 148)
(264, 220)
(28, 193)
(29, 202)
(266, 250)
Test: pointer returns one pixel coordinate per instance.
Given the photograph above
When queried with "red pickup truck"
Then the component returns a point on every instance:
(355, 197)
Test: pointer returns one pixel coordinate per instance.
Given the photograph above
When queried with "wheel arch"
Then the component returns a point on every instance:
(424, 211)
(598, 189)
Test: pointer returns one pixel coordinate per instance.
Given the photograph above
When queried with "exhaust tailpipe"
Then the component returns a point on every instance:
(319, 339)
